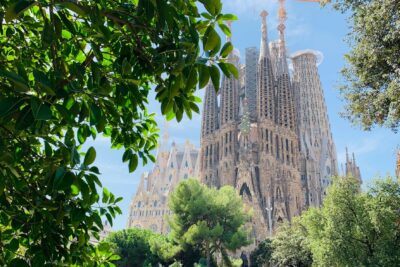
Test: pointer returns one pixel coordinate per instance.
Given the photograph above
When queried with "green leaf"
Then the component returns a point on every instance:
(232, 69)
(17, 8)
(126, 67)
(204, 75)
(43, 81)
(74, 189)
(90, 156)
(109, 219)
(78, 9)
(211, 38)
(206, 15)
(224, 69)
(133, 162)
(212, 6)
(225, 29)
(66, 181)
(13, 245)
(106, 195)
(20, 84)
(127, 155)
(8, 105)
(18, 262)
(226, 49)
(229, 17)
(40, 111)
(59, 175)
(215, 76)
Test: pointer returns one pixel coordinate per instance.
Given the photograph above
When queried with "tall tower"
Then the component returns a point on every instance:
(252, 55)
(229, 115)
(209, 145)
(265, 77)
(319, 162)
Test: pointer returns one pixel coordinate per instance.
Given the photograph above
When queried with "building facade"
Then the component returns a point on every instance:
(149, 206)
(273, 143)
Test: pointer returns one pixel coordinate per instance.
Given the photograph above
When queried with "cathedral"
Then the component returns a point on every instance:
(149, 206)
(268, 134)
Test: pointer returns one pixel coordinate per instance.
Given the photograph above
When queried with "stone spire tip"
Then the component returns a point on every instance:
(264, 14)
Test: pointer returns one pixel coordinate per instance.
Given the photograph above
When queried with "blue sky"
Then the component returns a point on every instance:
(308, 27)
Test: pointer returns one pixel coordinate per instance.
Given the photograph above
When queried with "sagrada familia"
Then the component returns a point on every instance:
(267, 134)
(270, 138)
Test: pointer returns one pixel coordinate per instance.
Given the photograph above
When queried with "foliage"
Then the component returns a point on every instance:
(354, 228)
(372, 90)
(290, 245)
(262, 255)
(70, 70)
(141, 247)
(208, 218)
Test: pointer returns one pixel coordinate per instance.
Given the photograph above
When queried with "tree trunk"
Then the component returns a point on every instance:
(208, 255)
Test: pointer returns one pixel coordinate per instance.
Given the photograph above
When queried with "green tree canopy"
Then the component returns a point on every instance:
(141, 247)
(354, 228)
(262, 255)
(208, 218)
(372, 90)
(70, 70)
(290, 246)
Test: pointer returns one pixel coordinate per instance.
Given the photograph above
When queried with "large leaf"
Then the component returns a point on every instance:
(204, 75)
(17, 8)
(211, 39)
(215, 76)
(19, 82)
(90, 156)
(226, 49)
(40, 111)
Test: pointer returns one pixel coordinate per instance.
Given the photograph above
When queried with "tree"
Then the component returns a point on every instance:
(354, 228)
(141, 247)
(70, 70)
(262, 255)
(290, 246)
(372, 90)
(208, 218)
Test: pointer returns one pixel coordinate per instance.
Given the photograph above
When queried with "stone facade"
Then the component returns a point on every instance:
(273, 143)
(149, 206)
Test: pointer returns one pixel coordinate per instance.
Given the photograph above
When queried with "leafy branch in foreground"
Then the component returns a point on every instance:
(372, 88)
(69, 71)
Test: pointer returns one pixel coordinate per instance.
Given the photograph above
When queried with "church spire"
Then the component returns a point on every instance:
(210, 111)
(265, 77)
(229, 105)
(264, 50)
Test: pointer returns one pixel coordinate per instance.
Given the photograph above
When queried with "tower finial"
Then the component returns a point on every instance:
(264, 35)
(282, 20)
(264, 15)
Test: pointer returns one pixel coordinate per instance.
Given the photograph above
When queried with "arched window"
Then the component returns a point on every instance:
(278, 193)
(170, 177)
(185, 176)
